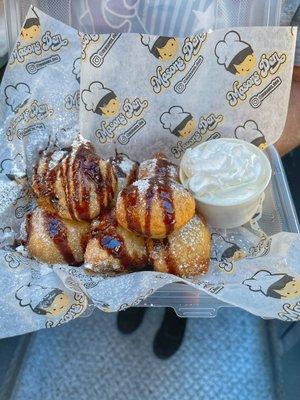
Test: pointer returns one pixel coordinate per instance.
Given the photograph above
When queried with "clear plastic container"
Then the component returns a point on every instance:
(159, 17)
(279, 214)
(174, 18)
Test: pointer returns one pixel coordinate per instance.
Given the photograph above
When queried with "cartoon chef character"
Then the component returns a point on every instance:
(162, 47)
(227, 252)
(43, 300)
(278, 286)
(100, 100)
(250, 132)
(178, 122)
(32, 28)
(236, 55)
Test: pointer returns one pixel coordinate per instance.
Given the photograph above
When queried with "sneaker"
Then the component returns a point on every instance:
(129, 320)
(170, 335)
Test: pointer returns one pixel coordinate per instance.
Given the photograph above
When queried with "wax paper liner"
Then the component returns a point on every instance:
(40, 108)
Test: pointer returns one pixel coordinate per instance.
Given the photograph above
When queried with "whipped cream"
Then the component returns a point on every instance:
(225, 171)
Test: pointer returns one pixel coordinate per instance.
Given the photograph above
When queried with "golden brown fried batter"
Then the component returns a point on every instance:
(158, 167)
(185, 252)
(78, 184)
(54, 240)
(154, 208)
(113, 248)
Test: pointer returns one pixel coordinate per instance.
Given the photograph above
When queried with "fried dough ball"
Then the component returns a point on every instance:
(185, 252)
(54, 240)
(154, 208)
(125, 169)
(158, 167)
(77, 184)
(113, 248)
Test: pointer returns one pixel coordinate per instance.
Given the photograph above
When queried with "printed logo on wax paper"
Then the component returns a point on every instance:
(137, 301)
(250, 133)
(183, 125)
(226, 252)
(14, 260)
(277, 286)
(98, 57)
(236, 55)
(165, 49)
(17, 97)
(261, 249)
(239, 59)
(88, 281)
(211, 287)
(104, 102)
(72, 100)
(86, 39)
(51, 303)
(290, 312)
(9, 166)
(33, 42)
(21, 211)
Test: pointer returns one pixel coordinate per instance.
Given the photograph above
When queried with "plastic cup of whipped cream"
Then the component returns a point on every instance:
(227, 178)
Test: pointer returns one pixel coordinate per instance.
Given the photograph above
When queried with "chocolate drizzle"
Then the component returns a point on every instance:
(169, 259)
(163, 168)
(150, 193)
(81, 199)
(160, 188)
(28, 226)
(66, 178)
(130, 196)
(59, 234)
(77, 173)
(110, 240)
(166, 199)
(116, 163)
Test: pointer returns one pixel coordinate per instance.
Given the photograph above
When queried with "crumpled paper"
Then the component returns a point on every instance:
(156, 91)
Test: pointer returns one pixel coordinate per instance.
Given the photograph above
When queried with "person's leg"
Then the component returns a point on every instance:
(170, 335)
(130, 319)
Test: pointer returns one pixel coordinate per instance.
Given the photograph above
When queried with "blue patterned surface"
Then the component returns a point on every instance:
(223, 358)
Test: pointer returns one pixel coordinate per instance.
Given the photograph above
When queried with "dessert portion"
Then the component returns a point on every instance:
(115, 215)
(54, 240)
(125, 169)
(154, 207)
(113, 248)
(158, 167)
(185, 252)
(77, 184)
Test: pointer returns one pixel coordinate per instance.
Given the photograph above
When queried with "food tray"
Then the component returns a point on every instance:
(279, 214)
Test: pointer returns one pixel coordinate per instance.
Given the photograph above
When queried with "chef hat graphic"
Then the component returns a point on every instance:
(76, 69)
(33, 295)
(262, 281)
(222, 245)
(250, 132)
(173, 118)
(17, 96)
(227, 49)
(93, 95)
(148, 40)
